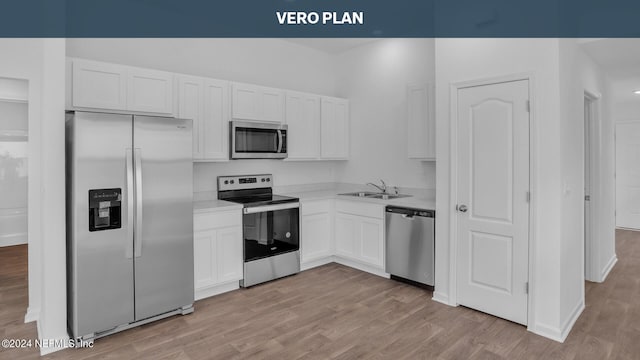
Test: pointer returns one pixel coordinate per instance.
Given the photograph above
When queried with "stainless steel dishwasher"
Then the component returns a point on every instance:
(410, 244)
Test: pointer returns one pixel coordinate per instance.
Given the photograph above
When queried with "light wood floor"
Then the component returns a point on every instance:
(338, 312)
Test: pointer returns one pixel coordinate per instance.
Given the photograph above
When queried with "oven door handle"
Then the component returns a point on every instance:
(259, 209)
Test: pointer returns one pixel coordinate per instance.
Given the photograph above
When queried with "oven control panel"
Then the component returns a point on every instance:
(244, 182)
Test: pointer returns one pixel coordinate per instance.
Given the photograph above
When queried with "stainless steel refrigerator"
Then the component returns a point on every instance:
(129, 221)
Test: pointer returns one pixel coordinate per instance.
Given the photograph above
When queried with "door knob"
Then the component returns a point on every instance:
(462, 208)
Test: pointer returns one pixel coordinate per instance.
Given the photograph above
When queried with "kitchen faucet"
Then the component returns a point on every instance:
(382, 188)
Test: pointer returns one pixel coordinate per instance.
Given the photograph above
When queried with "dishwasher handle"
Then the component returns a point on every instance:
(410, 213)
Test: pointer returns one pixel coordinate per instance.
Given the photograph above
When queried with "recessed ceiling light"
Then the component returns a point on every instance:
(637, 92)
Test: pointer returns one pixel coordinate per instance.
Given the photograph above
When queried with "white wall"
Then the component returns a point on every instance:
(374, 77)
(580, 74)
(41, 63)
(472, 59)
(269, 62)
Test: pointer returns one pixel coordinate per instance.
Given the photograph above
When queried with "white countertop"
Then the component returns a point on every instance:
(206, 202)
(418, 202)
(203, 206)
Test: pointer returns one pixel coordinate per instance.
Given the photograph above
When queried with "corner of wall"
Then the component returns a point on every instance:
(607, 268)
(560, 333)
(32, 314)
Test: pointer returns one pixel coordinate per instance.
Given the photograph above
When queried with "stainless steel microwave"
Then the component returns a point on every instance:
(258, 140)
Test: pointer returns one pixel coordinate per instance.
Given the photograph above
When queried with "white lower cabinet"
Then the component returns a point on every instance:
(359, 233)
(316, 227)
(217, 246)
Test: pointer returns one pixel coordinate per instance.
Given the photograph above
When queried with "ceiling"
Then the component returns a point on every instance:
(332, 45)
(620, 59)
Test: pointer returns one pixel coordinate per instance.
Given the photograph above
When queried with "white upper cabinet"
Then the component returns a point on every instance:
(334, 128)
(191, 106)
(253, 102)
(420, 122)
(303, 120)
(206, 102)
(98, 85)
(149, 91)
(216, 119)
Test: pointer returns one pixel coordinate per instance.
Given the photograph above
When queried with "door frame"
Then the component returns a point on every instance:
(592, 227)
(453, 191)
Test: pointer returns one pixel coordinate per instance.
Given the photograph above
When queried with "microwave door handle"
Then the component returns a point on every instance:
(279, 142)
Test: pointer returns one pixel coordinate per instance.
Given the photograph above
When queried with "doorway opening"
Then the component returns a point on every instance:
(14, 128)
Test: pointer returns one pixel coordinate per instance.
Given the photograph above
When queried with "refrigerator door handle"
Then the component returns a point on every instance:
(138, 227)
(130, 203)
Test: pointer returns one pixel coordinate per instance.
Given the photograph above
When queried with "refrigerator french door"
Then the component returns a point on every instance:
(129, 221)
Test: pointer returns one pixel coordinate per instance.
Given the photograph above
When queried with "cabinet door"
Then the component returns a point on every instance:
(204, 252)
(371, 241)
(303, 119)
(316, 236)
(229, 254)
(216, 120)
(334, 128)
(253, 102)
(190, 94)
(245, 101)
(99, 85)
(149, 91)
(272, 105)
(420, 122)
(347, 235)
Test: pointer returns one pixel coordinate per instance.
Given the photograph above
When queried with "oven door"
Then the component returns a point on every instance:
(251, 140)
(270, 230)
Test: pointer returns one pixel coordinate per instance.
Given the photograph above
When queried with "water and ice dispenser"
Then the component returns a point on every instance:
(105, 209)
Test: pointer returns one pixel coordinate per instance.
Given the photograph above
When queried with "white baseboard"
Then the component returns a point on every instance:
(31, 315)
(441, 298)
(559, 334)
(356, 265)
(547, 331)
(216, 290)
(626, 228)
(44, 350)
(571, 320)
(607, 269)
(13, 239)
(315, 263)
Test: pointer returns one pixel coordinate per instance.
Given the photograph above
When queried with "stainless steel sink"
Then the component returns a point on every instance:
(387, 196)
(360, 194)
(375, 195)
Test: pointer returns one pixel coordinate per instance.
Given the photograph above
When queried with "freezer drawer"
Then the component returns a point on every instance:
(410, 244)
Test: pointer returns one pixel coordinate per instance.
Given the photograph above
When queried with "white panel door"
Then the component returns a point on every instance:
(190, 106)
(99, 85)
(316, 236)
(216, 120)
(628, 175)
(229, 254)
(303, 119)
(334, 128)
(149, 91)
(493, 183)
